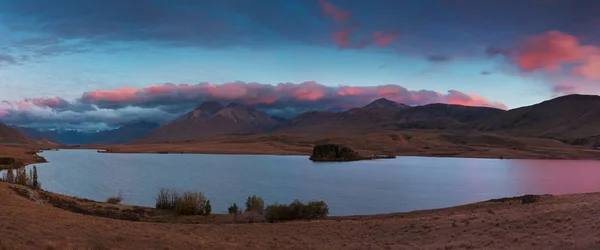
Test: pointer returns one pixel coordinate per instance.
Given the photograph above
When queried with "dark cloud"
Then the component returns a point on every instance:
(430, 26)
(493, 51)
(487, 72)
(438, 58)
(8, 59)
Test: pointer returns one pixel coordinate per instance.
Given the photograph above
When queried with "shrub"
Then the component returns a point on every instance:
(8, 161)
(116, 199)
(9, 176)
(165, 199)
(334, 152)
(207, 208)
(297, 211)
(233, 209)
(255, 204)
(191, 203)
(35, 183)
(188, 203)
(21, 177)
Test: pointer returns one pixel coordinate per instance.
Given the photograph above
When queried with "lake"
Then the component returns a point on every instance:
(349, 188)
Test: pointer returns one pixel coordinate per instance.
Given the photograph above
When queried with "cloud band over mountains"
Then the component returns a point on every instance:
(164, 102)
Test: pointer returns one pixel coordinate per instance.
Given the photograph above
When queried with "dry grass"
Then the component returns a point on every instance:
(406, 142)
(25, 153)
(554, 222)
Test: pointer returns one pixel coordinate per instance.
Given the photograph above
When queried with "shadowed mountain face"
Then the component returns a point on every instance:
(373, 114)
(573, 118)
(212, 119)
(124, 134)
(384, 113)
(8, 134)
(442, 116)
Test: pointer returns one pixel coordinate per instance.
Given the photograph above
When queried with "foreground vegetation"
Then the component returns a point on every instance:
(21, 177)
(196, 203)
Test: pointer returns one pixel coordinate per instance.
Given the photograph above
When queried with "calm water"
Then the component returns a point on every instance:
(367, 187)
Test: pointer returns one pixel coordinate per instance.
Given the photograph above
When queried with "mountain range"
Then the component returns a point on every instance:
(124, 134)
(571, 119)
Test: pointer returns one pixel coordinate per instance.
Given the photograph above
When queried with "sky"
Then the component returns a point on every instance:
(83, 64)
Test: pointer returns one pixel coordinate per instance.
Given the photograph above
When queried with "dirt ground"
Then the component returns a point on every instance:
(553, 222)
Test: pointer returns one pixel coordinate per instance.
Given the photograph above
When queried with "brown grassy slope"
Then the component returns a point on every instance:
(405, 142)
(566, 117)
(15, 144)
(8, 134)
(555, 222)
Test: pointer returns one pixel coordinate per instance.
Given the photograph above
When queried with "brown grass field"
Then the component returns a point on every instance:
(25, 153)
(553, 222)
(407, 143)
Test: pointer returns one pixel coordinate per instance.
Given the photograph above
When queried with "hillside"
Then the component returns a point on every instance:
(442, 116)
(18, 146)
(210, 120)
(11, 135)
(385, 114)
(574, 119)
(378, 112)
(563, 222)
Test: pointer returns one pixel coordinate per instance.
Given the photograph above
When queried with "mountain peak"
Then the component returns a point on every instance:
(210, 107)
(578, 97)
(385, 103)
(236, 105)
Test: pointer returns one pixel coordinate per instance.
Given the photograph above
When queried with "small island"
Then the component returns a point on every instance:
(339, 153)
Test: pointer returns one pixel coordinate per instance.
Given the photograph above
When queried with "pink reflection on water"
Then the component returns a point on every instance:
(556, 176)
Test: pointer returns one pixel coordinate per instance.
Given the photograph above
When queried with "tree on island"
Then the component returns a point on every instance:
(334, 152)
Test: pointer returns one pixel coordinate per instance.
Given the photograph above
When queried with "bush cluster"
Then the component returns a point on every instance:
(116, 199)
(255, 204)
(334, 152)
(187, 203)
(8, 161)
(297, 210)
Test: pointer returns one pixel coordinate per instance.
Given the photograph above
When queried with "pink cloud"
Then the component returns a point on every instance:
(343, 36)
(284, 95)
(54, 102)
(555, 51)
(457, 97)
(382, 38)
(118, 95)
(333, 11)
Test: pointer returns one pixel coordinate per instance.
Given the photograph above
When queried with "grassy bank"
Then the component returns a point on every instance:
(551, 222)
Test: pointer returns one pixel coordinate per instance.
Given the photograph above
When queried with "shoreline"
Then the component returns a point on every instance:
(550, 221)
(64, 197)
(108, 150)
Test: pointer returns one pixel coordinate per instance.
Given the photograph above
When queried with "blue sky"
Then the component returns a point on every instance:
(484, 50)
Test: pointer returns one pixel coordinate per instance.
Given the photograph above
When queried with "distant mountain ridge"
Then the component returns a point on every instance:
(124, 134)
(572, 119)
(212, 119)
